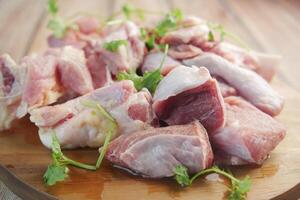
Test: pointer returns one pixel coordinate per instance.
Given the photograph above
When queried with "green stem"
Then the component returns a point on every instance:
(103, 149)
(78, 164)
(165, 55)
(214, 170)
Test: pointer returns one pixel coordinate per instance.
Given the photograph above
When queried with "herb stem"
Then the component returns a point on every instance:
(78, 164)
(103, 149)
(214, 170)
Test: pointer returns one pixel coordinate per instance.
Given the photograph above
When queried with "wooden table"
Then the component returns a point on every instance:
(271, 26)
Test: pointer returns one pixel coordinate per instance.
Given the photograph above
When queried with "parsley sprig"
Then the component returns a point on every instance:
(58, 170)
(237, 191)
(149, 80)
(114, 45)
(57, 24)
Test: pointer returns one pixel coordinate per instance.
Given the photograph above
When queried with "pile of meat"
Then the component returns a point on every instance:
(213, 105)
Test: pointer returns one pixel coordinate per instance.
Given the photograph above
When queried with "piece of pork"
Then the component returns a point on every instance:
(74, 74)
(154, 59)
(11, 81)
(184, 51)
(248, 136)
(77, 125)
(265, 65)
(226, 90)
(127, 57)
(99, 71)
(155, 152)
(248, 84)
(189, 93)
(41, 86)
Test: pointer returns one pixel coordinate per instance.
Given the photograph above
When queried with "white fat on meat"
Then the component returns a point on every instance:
(76, 125)
(248, 84)
(153, 61)
(127, 57)
(11, 81)
(249, 135)
(155, 152)
(189, 93)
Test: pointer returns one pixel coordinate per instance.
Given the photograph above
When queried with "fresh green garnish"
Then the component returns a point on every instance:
(149, 80)
(114, 45)
(58, 170)
(214, 27)
(169, 23)
(238, 190)
(52, 7)
(58, 25)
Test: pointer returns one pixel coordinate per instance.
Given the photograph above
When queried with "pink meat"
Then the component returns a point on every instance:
(226, 90)
(76, 125)
(248, 84)
(41, 86)
(186, 94)
(74, 74)
(87, 24)
(248, 136)
(127, 57)
(154, 59)
(156, 152)
(184, 51)
(11, 81)
(99, 71)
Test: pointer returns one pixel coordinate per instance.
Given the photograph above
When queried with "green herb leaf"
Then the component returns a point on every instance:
(127, 10)
(55, 173)
(114, 45)
(149, 80)
(58, 26)
(52, 7)
(181, 175)
(238, 190)
(170, 22)
(211, 36)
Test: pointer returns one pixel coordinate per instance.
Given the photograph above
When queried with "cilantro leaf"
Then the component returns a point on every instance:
(211, 36)
(114, 45)
(55, 173)
(238, 190)
(169, 22)
(127, 10)
(52, 7)
(58, 26)
(181, 175)
(149, 80)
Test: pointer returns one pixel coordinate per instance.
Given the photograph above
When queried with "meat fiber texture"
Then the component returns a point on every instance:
(248, 136)
(155, 152)
(153, 61)
(77, 125)
(52, 76)
(11, 81)
(249, 85)
(127, 57)
(189, 93)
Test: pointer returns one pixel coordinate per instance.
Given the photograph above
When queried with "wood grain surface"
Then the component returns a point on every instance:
(271, 26)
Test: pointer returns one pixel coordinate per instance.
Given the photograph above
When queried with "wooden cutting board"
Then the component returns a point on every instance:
(23, 154)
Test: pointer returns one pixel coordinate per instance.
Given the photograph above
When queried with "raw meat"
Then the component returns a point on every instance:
(156, 152)
(11, 81)
(76, 125)
(127, 57)
(41, 86)
(248, 136)
(153, 60)
(184, 51)
(248, 84)
(226, 90)
(189, 93)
